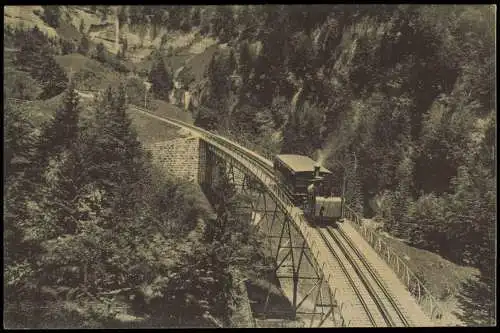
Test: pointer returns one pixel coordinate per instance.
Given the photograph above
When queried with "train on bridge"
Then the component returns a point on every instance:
(309, 186)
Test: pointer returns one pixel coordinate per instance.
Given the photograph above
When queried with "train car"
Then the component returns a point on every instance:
(309, 186)
(322, 209)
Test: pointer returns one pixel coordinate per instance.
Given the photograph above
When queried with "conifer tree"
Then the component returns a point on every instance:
(18, 141)
(52, 77)
(60, 158)
(84, 46)
(62, 132)
(100, 53)
(245, 63)
(231, 61)
(82, 26)
(52, 15)
(116, 154)
(161, 80)
(33, 47)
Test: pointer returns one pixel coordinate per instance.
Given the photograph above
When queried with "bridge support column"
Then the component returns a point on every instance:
(299, 276)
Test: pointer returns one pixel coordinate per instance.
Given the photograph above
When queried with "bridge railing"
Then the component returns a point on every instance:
(257, 164)
(417, 289)
(261, 168)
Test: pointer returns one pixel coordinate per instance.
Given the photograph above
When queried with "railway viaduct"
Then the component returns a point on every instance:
(333, 277)
(342, 277)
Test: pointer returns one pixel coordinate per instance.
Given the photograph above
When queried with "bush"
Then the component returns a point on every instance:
(426, 222)
(20, 85)
(52, 15)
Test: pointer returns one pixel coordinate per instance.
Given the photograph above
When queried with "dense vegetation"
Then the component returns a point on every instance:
(406, 91)
(90, 225)
(399, 97)
(92, 230)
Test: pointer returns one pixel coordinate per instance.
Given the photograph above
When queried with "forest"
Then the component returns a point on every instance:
(95, 235)
(91, 226)
(400, 98)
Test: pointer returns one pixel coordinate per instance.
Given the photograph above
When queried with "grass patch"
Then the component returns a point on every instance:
(89, 74)
(150, 130)
(443, 278)
(39, 111)
(165, 109)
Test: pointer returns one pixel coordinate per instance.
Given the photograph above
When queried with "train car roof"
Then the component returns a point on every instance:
(300, 163)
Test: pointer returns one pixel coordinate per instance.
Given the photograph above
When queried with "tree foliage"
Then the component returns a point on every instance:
(52, 15)
(99, 219)
(84, 46)
(404, 88)
(161, 80)
(36, 56)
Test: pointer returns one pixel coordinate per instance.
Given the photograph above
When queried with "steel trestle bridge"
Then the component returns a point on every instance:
(335, 277)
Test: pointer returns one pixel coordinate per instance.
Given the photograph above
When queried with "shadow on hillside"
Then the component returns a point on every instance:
(268, 289)
(476, 302)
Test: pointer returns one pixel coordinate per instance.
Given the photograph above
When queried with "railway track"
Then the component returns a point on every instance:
(265, 164)
(377, 302)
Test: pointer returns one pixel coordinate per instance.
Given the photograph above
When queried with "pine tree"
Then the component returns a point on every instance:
(62, 132)
(223, 23)
(218, 76)
(116, 157)
(245, 63)
(67, 47)
(195, 17)
(292, 135)
(49, 73)
(52, 15)
(84, 46)
(64, 189)
(19, 141)
(82, 27)
(231, 62)
(32, 44)
(100, 53)
(122, 15)
(60, 160)
(161, 81)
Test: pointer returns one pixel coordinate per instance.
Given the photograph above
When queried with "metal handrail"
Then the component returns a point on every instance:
(416, 288)
(262, 170)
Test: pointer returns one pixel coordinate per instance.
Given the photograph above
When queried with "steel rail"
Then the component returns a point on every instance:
(262, 170)
(254, 159)
(349, 278)
(372, 273)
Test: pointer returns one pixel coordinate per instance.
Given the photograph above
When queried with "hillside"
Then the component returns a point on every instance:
(398, 99)
(24, 16)
(89, 74)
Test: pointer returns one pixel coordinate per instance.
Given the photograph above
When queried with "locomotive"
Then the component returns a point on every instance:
(308, 185)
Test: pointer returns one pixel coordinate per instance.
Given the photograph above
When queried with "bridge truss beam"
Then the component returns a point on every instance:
(297, 270)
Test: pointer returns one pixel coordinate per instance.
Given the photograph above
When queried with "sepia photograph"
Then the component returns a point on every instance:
(249, 166)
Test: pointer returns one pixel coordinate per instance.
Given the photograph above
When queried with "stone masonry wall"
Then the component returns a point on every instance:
(179, 157)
